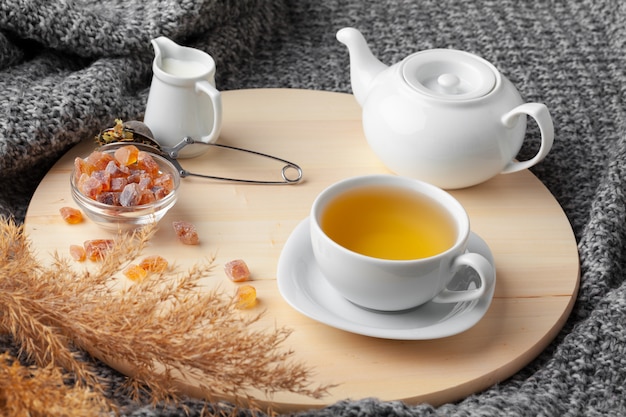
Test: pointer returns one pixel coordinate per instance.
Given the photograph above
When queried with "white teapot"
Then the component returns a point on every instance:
(443, 116)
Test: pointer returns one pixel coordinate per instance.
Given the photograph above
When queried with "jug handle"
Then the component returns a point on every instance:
(216, 101)
(540, 113)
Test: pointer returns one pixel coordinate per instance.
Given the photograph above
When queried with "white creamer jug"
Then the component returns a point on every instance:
(183, 100)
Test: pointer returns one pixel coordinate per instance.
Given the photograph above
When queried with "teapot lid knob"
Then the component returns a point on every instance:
(449, 82)
(449, 74)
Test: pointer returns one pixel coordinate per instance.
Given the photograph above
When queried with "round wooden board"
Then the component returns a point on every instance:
(530, 237)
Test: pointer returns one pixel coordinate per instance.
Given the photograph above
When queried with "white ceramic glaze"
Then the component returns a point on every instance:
(304, 287)
(183, 100)
(443, 116)
(394, 285)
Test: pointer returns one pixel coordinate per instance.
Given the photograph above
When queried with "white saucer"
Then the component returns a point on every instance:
(303, 286)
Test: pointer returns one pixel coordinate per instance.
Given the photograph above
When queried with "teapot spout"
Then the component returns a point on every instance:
(364, 66)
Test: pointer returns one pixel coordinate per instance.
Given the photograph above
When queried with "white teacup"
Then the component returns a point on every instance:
(392, 243)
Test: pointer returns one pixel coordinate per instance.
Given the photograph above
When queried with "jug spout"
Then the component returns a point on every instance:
(164, 47)
(364, 66)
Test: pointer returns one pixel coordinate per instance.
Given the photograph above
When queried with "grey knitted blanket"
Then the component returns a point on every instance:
(69, 67)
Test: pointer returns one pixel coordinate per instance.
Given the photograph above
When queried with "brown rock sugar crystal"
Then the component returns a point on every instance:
(128, 178)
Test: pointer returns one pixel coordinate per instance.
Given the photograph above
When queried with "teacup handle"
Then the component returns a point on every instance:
(540, 113)
(215, 96)
(485, 272)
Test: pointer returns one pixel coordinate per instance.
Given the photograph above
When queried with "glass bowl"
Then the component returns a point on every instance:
(123, 218)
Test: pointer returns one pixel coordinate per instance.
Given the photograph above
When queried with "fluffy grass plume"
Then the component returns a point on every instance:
(163, 326)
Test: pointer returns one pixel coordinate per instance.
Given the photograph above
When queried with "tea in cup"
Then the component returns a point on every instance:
(392, 243)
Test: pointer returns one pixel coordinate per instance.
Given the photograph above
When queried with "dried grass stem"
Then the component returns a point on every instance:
(164, 327)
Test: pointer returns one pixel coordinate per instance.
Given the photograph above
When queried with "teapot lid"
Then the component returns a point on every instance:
(449, 74)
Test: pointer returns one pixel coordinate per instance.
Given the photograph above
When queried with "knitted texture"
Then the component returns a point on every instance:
(69, 68)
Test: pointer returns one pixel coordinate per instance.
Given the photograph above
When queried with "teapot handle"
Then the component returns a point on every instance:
(540, 113)
(216, 102)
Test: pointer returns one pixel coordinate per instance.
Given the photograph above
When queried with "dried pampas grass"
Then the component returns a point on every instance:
(163, 327)
(32, 392)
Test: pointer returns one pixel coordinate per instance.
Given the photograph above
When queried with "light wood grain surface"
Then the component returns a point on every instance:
(526, 229)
